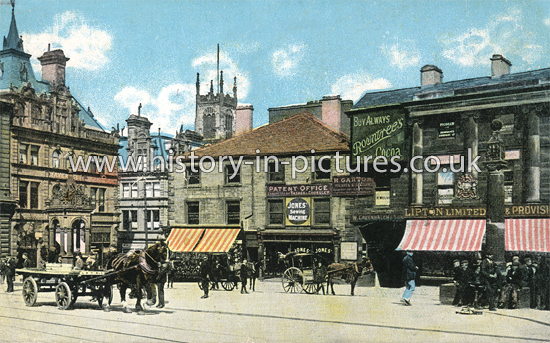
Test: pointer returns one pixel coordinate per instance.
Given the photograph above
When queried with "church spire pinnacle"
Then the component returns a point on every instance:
(13, 41)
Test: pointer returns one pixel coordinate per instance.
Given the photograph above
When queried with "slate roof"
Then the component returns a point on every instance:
(159, 143)
(454, 88)
(295, 135)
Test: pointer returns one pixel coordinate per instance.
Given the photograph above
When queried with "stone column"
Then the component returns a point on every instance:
(495, 163)
(532, 158)
(417, 178)
(87, 238)
(471, 140)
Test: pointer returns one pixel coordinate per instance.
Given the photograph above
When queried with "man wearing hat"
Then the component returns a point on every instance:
(205, 274)
(489, 279)
(509, 295)
(409, 271)
(462, 282)
(10, 272)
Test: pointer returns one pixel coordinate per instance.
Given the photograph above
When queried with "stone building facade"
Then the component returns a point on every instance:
(455, 122)
(44, 131)
(279, 210)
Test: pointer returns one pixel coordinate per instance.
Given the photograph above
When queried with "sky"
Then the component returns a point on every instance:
(123, 53)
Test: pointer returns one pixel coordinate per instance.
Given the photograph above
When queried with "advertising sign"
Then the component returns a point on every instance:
(379, 134)
(352, 186)
(298, 211)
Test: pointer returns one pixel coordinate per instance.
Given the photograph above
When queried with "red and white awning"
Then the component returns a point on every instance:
(443, 235)
(217, 240)
(184, 240)
(528, 235)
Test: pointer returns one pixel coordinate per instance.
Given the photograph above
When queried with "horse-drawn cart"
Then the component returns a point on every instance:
(303, 273)
(67, 283)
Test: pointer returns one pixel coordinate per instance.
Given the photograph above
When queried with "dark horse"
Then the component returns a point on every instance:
(137, 269)
(350, 272)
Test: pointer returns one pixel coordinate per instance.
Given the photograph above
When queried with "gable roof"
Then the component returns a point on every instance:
(298, 134)
(454, 88)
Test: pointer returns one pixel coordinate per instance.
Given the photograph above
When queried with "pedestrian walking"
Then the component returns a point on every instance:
(205, 274)
(255, 274)
(2, 270)
(10, 273)
(409, 271)
(171, 274)
(162, 274)
(462, 282)
(244, 277)
(320, 276)
(489, 279)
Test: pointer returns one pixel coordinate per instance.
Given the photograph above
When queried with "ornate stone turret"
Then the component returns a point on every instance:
(13, 41)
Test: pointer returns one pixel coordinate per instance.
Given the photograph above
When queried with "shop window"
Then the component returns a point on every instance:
(445, 186)
(23, 150)
(55, 158)
(193, 212)
(321, 211)
(276, 172)
(275, 212)
(233, 211)
(382, 192)
(23, 195)
(322, 169)
(194, 177)
(34, 194)
(232, 174)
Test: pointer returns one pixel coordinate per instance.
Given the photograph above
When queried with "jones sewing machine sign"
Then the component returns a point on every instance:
(298, 211)
(378, 134)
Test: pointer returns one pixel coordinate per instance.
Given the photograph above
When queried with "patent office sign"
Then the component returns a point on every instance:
(379, 134)
(298, 211)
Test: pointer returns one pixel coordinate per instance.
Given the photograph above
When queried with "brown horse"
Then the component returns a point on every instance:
(137, 269)
(350, 272)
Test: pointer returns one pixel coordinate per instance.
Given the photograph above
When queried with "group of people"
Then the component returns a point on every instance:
(7, 271)
(213, 271)
(484, 283)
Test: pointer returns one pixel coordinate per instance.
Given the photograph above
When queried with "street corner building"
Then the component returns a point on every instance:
(47, 200)
(444, 207)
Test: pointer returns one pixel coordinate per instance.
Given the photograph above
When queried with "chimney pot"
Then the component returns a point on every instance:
(500, 65)
(430, 75)
(243, 119)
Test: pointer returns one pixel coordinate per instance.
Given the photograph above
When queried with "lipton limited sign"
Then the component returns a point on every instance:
(378, 134)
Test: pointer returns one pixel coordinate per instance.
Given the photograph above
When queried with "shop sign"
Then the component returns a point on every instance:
(378, 134)
(375, 216)
(315, 189)
(352, 186)
(445, 212)
(298, 211)
(527, 211)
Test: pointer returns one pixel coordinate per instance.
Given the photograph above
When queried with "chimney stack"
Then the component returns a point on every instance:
(430, 75)
(500, 65)
(53, 67)
(243, 119)
(331, 112)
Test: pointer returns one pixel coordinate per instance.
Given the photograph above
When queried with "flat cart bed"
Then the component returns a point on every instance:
(67, 283)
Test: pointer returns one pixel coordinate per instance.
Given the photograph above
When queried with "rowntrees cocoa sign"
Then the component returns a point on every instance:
(378, 134)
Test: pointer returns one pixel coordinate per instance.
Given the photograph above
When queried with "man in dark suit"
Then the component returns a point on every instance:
(244, 276)
(205, 274)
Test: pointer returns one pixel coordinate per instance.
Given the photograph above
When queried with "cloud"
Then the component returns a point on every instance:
(504, 34)
(206, 65)
(547, 21)
(173, 106)
(353, 86)
(85, 45)
(402, 56)
(287, 60)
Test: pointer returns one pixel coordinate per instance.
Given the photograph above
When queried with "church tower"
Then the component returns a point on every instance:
(215, 112)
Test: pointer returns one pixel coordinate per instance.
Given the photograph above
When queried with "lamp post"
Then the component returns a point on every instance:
(495, 163)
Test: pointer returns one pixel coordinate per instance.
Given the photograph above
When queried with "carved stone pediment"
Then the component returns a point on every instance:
(70, 195)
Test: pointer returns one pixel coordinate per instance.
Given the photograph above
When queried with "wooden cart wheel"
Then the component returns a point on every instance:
(30, 291)
(228, 285)
(311, 287)
(292, 280)
(63, 296)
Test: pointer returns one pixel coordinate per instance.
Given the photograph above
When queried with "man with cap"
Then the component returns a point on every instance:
(509, 295)
(409, 271)
(11, 264)
(489, 279)
(462, 282)
(205, 274)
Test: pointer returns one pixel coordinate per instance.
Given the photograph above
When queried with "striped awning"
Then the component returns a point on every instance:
(184, 240)
(217, 240)
(528, 235)
(443, 235)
